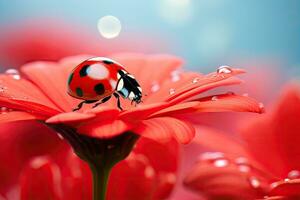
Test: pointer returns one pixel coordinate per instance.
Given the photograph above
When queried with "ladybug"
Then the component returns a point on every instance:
(97, 79)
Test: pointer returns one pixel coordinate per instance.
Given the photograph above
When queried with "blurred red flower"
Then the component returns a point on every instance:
(264, 165)
(143, 175)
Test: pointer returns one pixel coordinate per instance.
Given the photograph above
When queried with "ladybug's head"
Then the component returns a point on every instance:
(128, 87)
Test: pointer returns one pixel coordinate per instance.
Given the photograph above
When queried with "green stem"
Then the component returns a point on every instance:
(100, 180)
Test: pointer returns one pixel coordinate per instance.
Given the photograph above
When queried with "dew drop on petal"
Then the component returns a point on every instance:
(175, 76)
(170, 178)
(261, 105)
(211, 156)
(244, 168)
(273, 185)
(245, 95)
(149, 172)
(241, 160)
(155, 87)
(172, 91)
(109, 26)
(254, 182)
(224, 70)
(13, 73)
(214, 98)
(294, 174)
(195, 80)
(221, 163)
(286, 180)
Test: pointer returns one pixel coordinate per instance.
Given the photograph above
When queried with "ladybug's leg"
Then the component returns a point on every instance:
(118, 98)
(83, 102)
(102, 101)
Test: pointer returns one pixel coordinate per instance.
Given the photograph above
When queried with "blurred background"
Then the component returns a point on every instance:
(206, 33)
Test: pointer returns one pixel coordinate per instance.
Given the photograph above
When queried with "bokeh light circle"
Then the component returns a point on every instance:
(109, 26)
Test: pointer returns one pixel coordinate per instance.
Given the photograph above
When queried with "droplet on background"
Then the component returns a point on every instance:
(13, 73)
(294, 174)
(109, 26)
(221, 163)
(254, 182)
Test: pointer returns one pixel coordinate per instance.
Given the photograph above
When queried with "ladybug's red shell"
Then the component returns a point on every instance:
(94, 79)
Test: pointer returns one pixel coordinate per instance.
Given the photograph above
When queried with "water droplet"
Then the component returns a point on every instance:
(60, 136)
(254, 182)
(224, 70)
(214, 98)
(211, 155)
(286, 180)
(195, 80)
(221, 163)
(175, 76)
(149, 172)
(244, 168)
(170, 178)
(245, 94)
(241, 160)
(109, 26)
(155, 87)
(172, 91)
(273, 185)
(261, 105)
(13, 73)
(294, 174)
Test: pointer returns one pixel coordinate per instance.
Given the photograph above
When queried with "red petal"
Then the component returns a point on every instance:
(218, 141)
(163, 89)
(182, 108)
(198, 88)
(69, 118)
(142, 111)
(164, 158)
(104, 129)
(228, 102)
(143, 67)
(52, 79)
(288, 188)
(41, 180)
(23, 95)
(18, 116)
(277, 134)
(24, 140)
(165, 128)
(133, 178)
(224, 182)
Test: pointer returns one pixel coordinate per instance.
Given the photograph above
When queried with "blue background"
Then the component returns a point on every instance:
(217, 32)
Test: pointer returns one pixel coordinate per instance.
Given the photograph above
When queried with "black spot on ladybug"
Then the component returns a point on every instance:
(83, 71)
(99, 88)
(70, 79)
(79, 92)
(108, 62)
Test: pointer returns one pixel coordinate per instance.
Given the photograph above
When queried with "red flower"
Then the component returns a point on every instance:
(105, 135)
(44, 98)
(265, 165)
